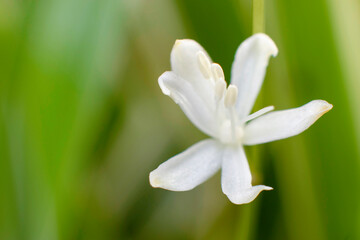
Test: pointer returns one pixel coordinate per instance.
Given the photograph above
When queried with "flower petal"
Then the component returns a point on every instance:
(185, 63)
(200, 113)
(184, 59)
(283, 124)
(190, 168)
(236, 177)
(248, 69)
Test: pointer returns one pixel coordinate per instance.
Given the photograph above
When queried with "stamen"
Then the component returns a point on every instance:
(220, 87)
(230, 96)
(258, 113)
(217, 72)
(229, 102)
(204, 64)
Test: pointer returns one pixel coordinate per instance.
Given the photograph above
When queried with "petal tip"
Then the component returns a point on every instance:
(322, 107)
(161, 83)
(154, 181)
(327, 107)
(248, 195)
(265, 41)
(184, 42)
(177, 42)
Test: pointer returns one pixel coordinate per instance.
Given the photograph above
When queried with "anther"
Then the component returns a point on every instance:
(204, 64)
(217, 72)
(220, 87)
(230, 96)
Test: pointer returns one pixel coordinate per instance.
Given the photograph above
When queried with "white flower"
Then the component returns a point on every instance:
(197, 85)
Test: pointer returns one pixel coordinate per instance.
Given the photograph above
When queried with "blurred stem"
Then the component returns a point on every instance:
(247, 222)
(258, 16)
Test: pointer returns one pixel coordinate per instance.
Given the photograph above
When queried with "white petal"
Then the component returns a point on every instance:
(200, 112)
(185, 63)
(236, 177)
(190, 168)
(184, 59)
(248, 69)
(283, 124)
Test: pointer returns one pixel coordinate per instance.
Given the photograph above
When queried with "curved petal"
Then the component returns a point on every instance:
(283, 124)
(248, 69)
(190, 168)
(200, 113)
(236, 177)
(185, 64)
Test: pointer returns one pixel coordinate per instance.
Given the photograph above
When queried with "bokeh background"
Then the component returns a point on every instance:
(83, 121)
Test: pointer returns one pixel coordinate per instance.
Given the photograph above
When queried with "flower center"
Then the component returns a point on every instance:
(229, 133)
(230, 130)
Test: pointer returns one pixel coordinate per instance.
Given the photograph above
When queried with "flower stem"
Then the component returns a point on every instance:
(258, 16)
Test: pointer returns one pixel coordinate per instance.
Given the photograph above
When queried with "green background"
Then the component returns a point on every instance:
(83, 121)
